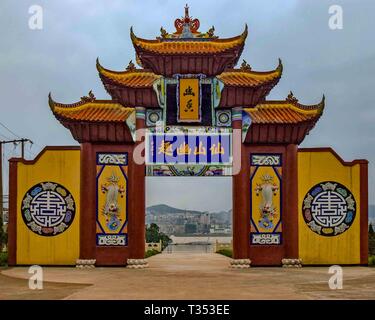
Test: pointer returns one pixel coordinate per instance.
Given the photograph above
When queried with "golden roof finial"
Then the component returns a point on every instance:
(186, 11)
(186, 26)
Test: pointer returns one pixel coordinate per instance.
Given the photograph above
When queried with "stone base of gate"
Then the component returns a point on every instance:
(137, 264)
(240, 263)
(85, 263)
(292, 263)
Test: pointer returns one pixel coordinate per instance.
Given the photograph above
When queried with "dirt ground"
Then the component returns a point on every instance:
(188, 276)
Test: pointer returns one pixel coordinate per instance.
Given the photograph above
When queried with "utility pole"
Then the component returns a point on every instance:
(22, 141)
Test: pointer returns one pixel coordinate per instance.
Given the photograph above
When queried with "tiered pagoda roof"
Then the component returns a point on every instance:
(282, 121)
(209, 56)
(241, 86)
(87, 119)
(132, 87)
(245, 87)
(187, 51)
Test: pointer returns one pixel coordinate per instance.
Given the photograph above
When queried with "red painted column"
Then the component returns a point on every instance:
(137, 236)
(364, 212)
(12, 223)
(290, 220)
(88, 203)
(240, 187)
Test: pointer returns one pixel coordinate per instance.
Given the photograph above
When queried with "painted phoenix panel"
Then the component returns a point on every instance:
(265, 199)
(112, 199)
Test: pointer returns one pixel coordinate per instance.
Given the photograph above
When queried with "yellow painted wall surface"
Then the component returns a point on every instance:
(313, 168)
(63, 167)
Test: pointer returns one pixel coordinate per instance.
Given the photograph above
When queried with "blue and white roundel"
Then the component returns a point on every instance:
(48, 209)
(329, 208)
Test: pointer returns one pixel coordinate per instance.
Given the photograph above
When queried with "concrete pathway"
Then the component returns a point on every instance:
(198, 276)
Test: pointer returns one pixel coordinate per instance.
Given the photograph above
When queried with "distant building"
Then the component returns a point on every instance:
(5, 216)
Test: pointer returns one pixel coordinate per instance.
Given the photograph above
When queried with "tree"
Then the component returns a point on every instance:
(153, 234)
(371, 230)
(3, 235)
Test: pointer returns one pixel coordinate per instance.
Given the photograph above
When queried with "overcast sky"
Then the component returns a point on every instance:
(61, 58)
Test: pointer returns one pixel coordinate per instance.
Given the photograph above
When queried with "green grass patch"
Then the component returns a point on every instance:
(3, 258)
(225, 252)
(371, 261)
(150, 253)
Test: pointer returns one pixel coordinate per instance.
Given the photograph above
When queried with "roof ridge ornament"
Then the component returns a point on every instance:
(211, 32)
(245, 66)
(89, 98)
(291, 98)
(163, 33)
(319, 106)
(131, 66)
(186, 27)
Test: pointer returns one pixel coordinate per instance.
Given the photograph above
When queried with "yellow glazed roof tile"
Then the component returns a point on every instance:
(134, 78)
(188, 46)
(284, 112)
(91, 110)
(248, 78)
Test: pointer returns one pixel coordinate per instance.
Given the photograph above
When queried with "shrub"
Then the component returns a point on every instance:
(371, 260)
(150, 253)
(225, 252)
(3, 258)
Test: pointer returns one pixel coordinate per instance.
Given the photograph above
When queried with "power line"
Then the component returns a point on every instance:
(3, 143)
(4, 137)
(6, 128)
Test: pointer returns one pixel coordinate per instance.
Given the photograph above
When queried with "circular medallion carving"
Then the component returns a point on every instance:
(329, 208)
(48, 209)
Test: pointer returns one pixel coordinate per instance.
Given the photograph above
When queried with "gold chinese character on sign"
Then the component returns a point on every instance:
(217, 149)
(165, 148)
(200, 150)
(183, 149)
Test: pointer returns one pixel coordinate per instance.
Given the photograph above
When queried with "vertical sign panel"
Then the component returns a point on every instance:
(112, 198)
(265, 199)
(188, 109)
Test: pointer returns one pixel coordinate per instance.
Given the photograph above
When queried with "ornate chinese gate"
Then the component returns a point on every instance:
(190, 112)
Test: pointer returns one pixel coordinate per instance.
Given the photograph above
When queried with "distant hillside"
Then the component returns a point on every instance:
(163, 209)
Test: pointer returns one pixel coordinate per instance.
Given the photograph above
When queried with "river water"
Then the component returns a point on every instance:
(196, 248)
(197, 244)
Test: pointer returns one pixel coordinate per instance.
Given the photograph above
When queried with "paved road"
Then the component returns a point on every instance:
(190, 276)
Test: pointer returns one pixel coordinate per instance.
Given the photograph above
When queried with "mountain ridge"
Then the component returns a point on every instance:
(164, 208)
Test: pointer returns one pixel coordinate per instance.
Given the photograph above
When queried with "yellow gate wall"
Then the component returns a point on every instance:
(63, 167)
(315, 167)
